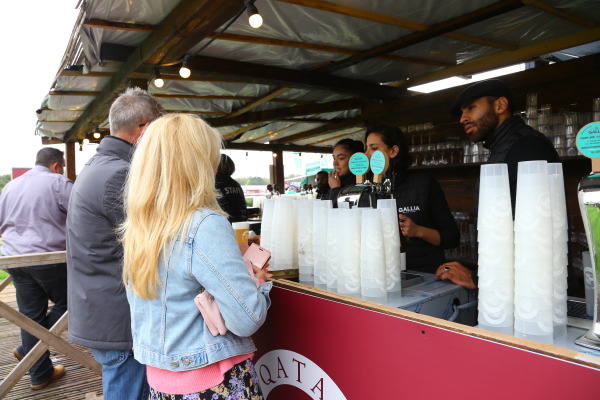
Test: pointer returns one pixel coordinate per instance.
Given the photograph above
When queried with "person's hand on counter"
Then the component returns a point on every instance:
(457, 274)
(410, 229)
(334, 179)
(254, 239)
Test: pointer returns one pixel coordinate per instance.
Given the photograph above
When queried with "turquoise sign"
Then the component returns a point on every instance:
(588, 140)
(377, 162)
(359, 164)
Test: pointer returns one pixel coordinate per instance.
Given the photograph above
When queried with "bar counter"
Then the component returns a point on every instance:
(323, 345)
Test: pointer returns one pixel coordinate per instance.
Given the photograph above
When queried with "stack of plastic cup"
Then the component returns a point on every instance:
(533, 254)
(372, 257)
(283, 252)
(320, 242)
(391, 243)
(496, 250)
(560, 247)
(266, 226)
(334, 237)
(305, 240)
(348, 268)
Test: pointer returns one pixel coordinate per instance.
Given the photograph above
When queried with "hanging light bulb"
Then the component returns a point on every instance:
(86, 141)
(274, 155)
(185, 71)
(97, 134)
(255, 20)
(158, 80)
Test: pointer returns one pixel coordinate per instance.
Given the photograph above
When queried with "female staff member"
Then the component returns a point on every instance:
(424, 214)
(341, 176)
(177, 242)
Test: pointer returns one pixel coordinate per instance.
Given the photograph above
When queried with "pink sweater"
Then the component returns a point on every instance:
(193, 381)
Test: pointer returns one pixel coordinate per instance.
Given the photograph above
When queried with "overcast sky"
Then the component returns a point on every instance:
(34, 35)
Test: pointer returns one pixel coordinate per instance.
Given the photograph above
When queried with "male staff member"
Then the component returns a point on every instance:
(322, 185)
(33, 213)
(486, 112)
(99, 315)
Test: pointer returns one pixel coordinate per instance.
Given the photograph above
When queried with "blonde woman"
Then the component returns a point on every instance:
(177, 241)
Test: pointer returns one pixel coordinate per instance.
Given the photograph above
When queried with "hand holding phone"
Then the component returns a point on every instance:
(258, 256)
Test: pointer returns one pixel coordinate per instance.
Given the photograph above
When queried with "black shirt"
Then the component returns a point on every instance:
(232, 199)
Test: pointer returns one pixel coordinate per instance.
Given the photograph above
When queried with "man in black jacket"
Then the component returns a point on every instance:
(486, 112)
(99, 315)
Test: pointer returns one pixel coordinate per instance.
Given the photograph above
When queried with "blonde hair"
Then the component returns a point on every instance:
(172, 175)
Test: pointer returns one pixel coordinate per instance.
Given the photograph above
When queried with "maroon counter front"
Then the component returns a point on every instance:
(320, 345)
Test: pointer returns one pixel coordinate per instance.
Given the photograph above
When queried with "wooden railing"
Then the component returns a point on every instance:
(47, 337)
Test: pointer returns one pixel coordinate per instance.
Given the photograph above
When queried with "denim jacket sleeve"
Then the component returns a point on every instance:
(218, 266)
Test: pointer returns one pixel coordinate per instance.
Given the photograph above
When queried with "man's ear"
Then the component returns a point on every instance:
(501, 105)
(54, 167)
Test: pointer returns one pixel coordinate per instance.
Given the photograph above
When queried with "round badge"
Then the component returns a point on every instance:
(377, 162)
(588, 140)
(359, 163)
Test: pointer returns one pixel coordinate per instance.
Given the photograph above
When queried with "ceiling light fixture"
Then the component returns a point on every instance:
(97, 133)
(255, 20)
(185, 71)
(158, 80)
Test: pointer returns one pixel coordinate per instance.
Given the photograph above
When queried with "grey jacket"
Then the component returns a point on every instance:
(98, 309)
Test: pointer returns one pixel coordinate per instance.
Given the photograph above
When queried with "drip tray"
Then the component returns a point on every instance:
(408, 279)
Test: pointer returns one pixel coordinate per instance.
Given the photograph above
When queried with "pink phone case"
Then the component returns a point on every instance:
(258, 256)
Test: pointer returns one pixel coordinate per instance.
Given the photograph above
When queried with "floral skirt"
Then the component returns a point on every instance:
(240, 383)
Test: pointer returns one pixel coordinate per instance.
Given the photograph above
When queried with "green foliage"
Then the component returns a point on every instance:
(252, 180)
(249, 201)
(4, 179)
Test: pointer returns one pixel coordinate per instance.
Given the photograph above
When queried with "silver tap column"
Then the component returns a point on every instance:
(589, 202)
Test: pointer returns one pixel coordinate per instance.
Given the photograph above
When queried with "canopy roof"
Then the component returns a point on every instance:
(314, 70)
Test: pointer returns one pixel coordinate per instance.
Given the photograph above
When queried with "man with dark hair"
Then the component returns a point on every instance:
(322, 185)
(99, 316)
(33, 213)
(232, 199)
(485, 110)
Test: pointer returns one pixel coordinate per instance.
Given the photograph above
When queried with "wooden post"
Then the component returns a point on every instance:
(70, 156)
(278, 172)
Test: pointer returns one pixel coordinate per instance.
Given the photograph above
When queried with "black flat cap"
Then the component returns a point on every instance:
(490, 87)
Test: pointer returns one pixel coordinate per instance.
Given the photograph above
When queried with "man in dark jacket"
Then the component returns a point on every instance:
(98, 309)
(486, 112)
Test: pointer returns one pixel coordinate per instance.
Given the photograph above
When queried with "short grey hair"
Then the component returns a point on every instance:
(132, 108)
(48, 156)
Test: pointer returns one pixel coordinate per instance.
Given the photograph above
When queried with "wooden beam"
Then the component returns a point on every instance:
(273, 147)
(185, 26)
(319, 47)
(508, 58)
(432, 31)
(241, 130)
(122, 26)
(239, 98)
(98, 23)
(328, 128)
(26, 260)
(335, 137)
(276, 76)
(294, 111)
(274, 133)
(267, 97)
(386, 19)
(540, 5)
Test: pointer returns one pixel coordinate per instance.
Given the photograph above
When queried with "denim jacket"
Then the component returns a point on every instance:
(168, 331)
